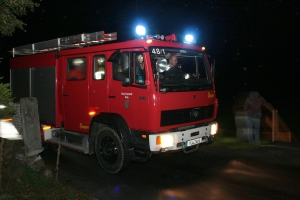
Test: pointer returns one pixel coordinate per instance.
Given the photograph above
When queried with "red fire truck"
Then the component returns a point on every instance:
(117, 99)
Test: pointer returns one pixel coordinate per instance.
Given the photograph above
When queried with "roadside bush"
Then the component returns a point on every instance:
(6, 105)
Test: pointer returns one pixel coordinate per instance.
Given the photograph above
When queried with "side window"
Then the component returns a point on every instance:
(139, 69)
(122, 67)
(131, 66)
(99, 67)
(76, 69)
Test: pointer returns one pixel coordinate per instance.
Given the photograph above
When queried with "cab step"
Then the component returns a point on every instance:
(73, 146)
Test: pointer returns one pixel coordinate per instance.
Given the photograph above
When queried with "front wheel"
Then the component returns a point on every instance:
(110, 150)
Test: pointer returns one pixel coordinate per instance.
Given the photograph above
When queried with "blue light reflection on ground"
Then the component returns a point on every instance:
(172, 197)
(117, 189)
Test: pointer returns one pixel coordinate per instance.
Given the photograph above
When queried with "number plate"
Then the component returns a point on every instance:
(193, 142)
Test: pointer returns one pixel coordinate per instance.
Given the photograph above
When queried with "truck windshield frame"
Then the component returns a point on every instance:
(191, 73)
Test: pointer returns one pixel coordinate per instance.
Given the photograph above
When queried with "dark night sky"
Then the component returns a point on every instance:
(254, 42)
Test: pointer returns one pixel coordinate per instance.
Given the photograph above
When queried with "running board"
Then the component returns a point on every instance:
(72, 146)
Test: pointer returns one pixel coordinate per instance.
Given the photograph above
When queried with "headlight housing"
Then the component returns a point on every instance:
(214, 129)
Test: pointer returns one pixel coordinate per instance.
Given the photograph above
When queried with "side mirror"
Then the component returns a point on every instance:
(212, 65)
(161, 65)
(213, 68)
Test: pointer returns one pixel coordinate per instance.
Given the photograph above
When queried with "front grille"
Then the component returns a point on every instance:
(171, 117)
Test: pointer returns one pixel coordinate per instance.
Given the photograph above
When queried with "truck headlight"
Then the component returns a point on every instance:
(214, 129)
(164, 141)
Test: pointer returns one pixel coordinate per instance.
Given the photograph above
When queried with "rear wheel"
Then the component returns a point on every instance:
(111, 152)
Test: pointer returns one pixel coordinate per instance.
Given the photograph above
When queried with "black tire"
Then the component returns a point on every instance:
(111, 152)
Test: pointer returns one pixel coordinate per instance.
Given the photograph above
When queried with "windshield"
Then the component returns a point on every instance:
(180, 69)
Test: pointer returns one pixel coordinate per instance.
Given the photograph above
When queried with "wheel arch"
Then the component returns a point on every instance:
(113, 120)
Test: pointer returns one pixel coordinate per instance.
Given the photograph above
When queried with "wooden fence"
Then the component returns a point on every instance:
(280, 131)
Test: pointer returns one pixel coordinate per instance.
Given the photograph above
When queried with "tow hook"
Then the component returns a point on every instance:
(205, 139)
(183, 146)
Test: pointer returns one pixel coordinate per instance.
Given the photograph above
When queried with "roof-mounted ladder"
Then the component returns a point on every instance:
(74, 41)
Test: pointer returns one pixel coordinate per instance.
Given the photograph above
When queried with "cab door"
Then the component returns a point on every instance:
(128, 94)
(75, 93)
(98, 84)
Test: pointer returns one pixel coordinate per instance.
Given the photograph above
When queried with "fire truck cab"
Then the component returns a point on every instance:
(122, 101)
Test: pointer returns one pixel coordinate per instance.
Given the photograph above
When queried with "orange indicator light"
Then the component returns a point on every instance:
(7, 120)
(92, 113)
(46, 127)
(158, 140)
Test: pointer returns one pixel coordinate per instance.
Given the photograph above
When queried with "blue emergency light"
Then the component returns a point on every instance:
(140, 30)
(189, 39)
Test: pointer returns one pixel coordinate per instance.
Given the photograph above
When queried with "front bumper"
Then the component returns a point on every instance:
(171, 141)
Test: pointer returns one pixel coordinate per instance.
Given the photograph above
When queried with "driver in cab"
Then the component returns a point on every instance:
(173, 71)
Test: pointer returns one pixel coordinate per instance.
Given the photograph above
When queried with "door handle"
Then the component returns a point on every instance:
(110, 96)
(65, 95)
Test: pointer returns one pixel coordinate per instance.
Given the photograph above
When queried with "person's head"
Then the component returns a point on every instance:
(101, 61)
(252, 90)
(173, 61)
(140, 61)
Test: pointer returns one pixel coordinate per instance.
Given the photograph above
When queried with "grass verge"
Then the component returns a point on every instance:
(227, 140)
(31, 185)
(19, 181)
